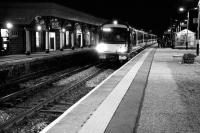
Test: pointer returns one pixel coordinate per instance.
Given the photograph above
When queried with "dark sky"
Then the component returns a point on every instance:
(152, 15)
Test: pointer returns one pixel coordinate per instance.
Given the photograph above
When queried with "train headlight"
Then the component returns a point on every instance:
(122, 49)
(101, 47)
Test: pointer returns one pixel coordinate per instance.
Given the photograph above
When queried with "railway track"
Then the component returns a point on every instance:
(12, 82)
(57, 76)
(42, 105)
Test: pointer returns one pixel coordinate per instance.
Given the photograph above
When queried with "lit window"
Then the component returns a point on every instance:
(67, 37)
(37, 39)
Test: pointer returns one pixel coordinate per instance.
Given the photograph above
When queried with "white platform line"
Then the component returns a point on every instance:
(101, 117)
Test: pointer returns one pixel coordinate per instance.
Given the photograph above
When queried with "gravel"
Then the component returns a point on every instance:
(3, 116)
(37, 123)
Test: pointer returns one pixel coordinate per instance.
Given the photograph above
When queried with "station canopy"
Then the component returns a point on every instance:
(24, 13)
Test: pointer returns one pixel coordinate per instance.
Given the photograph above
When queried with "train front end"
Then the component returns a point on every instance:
(113, 44)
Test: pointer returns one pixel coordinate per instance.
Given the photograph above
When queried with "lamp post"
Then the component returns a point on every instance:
(197, 48)
(188, 18)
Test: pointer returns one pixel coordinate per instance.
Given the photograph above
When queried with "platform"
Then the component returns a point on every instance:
(146, 95)
(15, 66)
(98, 107)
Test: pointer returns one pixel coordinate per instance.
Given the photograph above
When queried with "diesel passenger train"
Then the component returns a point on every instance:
(117, 41)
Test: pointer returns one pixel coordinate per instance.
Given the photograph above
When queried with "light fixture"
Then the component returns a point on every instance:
(63, 29)
(115, 22)
(107, 29)
(9, 25)
(39, 27)
(181, 9)
(122, 49)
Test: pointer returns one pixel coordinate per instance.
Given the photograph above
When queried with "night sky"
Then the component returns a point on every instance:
(154, 15)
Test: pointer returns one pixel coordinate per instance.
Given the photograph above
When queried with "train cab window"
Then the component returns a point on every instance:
(115, 35)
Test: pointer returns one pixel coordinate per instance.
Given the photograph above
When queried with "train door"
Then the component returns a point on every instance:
(52, 41)
(134, 38)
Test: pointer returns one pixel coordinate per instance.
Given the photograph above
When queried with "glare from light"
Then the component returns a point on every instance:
(181, 9)
(107, 29)
(122, 49)
(115, 22)
(101, 47)
(9, 25)
(39, 27)
(63, 29)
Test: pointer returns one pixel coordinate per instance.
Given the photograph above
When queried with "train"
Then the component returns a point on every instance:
(118, 41)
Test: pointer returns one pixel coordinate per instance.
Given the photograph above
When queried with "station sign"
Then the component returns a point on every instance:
(55, 24)
(14, 34)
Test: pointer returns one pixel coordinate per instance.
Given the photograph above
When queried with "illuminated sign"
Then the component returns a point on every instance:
(4, 33)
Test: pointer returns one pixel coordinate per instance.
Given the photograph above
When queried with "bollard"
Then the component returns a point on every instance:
(197, 52)
(186, 45)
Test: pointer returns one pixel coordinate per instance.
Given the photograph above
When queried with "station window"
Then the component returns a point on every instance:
(67, 38)
(38, 39)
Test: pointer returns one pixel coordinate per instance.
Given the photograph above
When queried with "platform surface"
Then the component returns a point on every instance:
(101, 103)
(153, 93)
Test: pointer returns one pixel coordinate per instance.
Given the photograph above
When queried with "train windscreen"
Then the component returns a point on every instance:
(114, 35)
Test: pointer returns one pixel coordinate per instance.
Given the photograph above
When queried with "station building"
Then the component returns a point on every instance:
(43, 27)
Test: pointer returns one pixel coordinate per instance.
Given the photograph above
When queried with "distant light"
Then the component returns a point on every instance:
(107, 29)
(181, 9)
(195, 8)
(63, 29)
(182, 23)
(39, 27)
(9, 25)
(169, 30)
(115, 22)
(185, 20)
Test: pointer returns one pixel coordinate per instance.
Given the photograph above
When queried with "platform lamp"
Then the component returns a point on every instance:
(181, 9)
(9, 25)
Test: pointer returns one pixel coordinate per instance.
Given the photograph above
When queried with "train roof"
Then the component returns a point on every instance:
(110, 23)
(118, 22)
